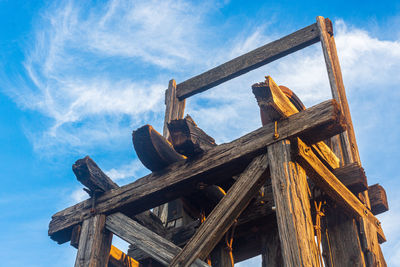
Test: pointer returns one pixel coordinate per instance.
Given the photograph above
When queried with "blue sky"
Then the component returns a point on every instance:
(76, 77)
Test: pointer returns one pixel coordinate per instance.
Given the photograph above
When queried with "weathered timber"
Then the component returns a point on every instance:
(90, 175)
(219, 163)
(347, 138)
(279, 102)
(187, 138)
(340, 247)
(174, 110)
(347, 149)
(249, 61)
(352, 176)
(378, 199)
(293, 211)
(222, 217)
(271, 254)
(76, 233)
(154, 245)
(87, 170)
(154, 150)
(94, 243)
(220, 256)
(120, 259)
(328, 182)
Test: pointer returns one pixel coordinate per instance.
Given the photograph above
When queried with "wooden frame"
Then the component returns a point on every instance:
(304, 130)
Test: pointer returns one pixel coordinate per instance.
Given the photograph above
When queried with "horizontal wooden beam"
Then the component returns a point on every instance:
(378, 199)
(314, 124)
(154, 245)
(249, 61)
(331, 185)
(352, 176)
(90, 175)
(224, 214)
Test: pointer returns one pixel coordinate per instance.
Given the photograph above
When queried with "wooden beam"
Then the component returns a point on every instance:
(120, 259)
(293, 210)
(87, 170)
(154, 245)
(348, 145)
(378, 199)
(174, 110)
(76, 233)
(154, 150)
(94, 243)
(276, 105)
(187, 138)
(249, 61)
(219, 163)
(224, 214)
(352, 176)
(327, 181)
(90, 175)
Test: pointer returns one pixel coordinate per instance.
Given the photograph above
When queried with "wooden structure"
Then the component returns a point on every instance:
(293, 190)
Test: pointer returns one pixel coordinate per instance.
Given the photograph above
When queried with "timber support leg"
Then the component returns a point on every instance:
(94, 243)
(293, 211)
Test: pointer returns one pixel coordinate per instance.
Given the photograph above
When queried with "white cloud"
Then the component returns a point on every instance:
(131, 170)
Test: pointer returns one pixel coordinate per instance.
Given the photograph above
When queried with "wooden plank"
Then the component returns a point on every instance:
(352, 176)
(89, 174)
(94, 243)
(293, 211)
(224, 214)
(120, 259)
(349, 149)
(76, 233)
(327, 181)
(378, 199)
(187, 138)
(271, 250)
(174, 110)
(275, 105)
(154, 150)
(215, 165)
(154, 245)
(249, 61)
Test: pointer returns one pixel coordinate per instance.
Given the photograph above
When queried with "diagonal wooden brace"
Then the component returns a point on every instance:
(154, 245)
(224, 214)
(328, 182)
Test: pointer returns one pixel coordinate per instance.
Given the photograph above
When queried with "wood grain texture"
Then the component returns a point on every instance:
(120, 259)
(327, 181)
(215, 165)
(154, 245)
(94, 243)
(293, 211)
(275, 105)
(224, 214)
(353, 177)
(378, 199)
(187, 138)
(90, 175)
(76, 233)
(349, 149)
(154, 150)
(174, 110)
(271, 250)
(249, 61)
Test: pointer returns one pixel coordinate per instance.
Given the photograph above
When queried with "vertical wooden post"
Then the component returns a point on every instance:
(271, 254)
(293, 211)
(174, 110)
(349, 150)
(94, 243)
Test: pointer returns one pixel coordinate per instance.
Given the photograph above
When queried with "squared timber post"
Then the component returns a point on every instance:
(368, 251)
(94, 243)
(293, 210)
